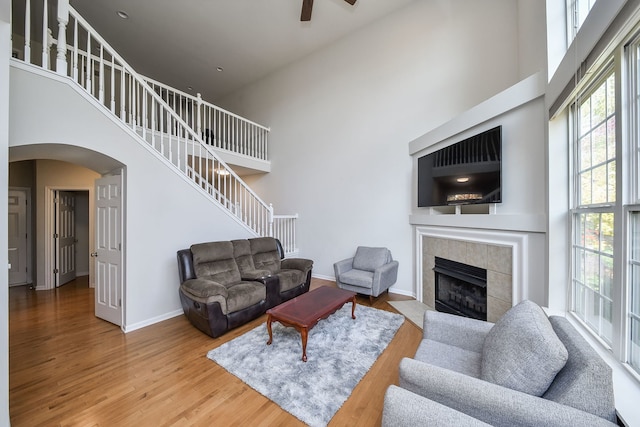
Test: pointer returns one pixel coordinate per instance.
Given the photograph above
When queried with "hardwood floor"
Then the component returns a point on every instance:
(69, 368)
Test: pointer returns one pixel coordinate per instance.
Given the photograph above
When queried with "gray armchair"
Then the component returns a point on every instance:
(370, 271)
(525, 370)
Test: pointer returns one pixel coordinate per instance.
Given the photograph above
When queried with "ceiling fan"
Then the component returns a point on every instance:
(307, 7)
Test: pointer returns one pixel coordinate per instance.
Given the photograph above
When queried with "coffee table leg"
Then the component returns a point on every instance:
(269, 329)
(304, 333)
(353, 308)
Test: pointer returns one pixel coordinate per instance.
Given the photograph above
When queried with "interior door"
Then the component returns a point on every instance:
(65, 237)
(108, 254)
(17, 237)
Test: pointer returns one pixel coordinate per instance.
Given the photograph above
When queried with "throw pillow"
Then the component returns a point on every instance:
(522, 352)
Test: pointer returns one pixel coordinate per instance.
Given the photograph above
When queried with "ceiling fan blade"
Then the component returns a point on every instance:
(351, 2)
(307, 7)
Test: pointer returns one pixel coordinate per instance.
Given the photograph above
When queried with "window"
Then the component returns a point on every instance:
(634, 291)
(633, 223)
(605, 282)
(577, 11)
(594, 214)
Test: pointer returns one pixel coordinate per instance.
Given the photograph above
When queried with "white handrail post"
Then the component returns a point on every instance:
(63, 20)
(45, 36)
(101, 76)
(270, 219)
(199, 114)
(75, 50)
(27, 32)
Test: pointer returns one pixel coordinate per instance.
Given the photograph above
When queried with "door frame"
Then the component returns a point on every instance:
(30, 233)
(49, 227)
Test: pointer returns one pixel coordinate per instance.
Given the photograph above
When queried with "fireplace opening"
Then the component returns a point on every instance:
(460, 289)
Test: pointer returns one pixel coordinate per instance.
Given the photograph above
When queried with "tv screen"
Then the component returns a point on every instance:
(467, 172)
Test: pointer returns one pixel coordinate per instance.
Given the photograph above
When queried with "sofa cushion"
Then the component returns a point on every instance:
(369, 259)
(522, 352)
(244, 294)
(265, 254)
(215, 260)
(242, 254)
(362, 278)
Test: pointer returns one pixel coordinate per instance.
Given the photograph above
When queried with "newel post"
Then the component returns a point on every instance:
(199, 115)
(63, 20)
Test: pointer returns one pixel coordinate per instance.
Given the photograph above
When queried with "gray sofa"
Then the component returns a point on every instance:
(527, 369)
(225, 284)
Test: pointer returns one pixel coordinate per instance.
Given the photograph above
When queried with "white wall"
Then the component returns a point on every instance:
(5, 54)
(163, 212)
(341, 119)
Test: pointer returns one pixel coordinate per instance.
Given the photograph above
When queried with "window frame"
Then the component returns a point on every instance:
(612, 66)
(624, 62)
(573, 19)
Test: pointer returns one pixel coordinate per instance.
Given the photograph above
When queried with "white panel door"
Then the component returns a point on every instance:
(108, 254)
(66, 237)
(17, 237)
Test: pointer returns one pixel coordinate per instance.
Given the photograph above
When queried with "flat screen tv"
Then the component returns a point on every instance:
(467, 172)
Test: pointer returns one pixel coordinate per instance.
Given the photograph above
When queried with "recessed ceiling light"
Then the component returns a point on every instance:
(220, 69)
(190, 88)
(463, 179)
(122, 14)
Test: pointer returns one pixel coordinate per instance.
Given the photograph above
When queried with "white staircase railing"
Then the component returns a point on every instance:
(115, 85)
(217, 127)
(284, 227)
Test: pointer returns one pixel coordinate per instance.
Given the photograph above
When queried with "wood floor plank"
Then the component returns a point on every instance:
(69, 368)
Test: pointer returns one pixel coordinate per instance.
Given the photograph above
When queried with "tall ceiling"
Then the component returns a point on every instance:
(183, 43)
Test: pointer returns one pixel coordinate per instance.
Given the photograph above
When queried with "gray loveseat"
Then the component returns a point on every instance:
(228, 283)
(525, 370)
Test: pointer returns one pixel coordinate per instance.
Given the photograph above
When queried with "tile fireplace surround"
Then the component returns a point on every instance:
(501, 254)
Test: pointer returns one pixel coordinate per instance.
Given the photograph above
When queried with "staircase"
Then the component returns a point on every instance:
(185, 130)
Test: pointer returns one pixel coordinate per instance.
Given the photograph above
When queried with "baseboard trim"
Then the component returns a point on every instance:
(323, 277)
(149, 322)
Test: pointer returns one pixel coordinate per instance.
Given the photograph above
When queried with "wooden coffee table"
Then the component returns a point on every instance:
(304, 311)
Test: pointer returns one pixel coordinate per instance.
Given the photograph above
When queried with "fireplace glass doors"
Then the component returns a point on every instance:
(460, 289)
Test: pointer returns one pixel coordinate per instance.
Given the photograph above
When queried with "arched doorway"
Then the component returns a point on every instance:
(52, 168)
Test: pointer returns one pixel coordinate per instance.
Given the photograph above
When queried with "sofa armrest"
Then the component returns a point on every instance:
(454, 330)
(385, 275)
(489, 402)
(301, 264)
(204, 288)
(407, 409)
(343, 266)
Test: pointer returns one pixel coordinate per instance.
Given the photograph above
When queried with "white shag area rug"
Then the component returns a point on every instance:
(340, 351)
